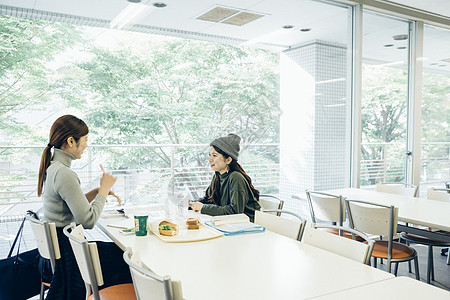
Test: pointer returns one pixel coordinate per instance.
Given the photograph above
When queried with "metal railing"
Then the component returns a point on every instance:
(389, 166)
(135, 185)
(142, 184)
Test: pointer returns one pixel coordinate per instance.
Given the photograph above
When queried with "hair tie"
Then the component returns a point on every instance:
(49, 145)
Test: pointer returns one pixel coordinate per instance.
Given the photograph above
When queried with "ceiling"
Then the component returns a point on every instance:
(326, 23)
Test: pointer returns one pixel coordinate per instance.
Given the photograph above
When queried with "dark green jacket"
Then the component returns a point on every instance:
(235, 197)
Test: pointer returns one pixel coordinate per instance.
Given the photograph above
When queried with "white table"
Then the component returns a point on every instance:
(254, 266)
(418, 211)
(395, 288)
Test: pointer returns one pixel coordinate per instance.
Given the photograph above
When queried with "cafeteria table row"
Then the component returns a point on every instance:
(254, 266)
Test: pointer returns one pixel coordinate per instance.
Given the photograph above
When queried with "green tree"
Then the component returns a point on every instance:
(172, 91)
(383, 119)
(26, 48)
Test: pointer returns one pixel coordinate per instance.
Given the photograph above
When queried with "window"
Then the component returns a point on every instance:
(384, 99)
(435, 153)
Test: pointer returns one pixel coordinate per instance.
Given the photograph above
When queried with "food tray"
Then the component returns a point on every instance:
(185, 236)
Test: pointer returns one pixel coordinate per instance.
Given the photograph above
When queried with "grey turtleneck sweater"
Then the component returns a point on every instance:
(64, 201)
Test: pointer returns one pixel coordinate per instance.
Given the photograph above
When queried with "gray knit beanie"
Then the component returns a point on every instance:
(228, 144)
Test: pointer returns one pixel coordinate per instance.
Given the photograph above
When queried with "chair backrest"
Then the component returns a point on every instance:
(438, 194)
(398, 188)
(372, 218)
(149, 285)
(346, 247)
(46, 238)
(270, 202)
(326, 207)
(86, 255)
(292, 228)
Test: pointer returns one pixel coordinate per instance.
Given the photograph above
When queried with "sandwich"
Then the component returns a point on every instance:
(167, 228)
(192, 223)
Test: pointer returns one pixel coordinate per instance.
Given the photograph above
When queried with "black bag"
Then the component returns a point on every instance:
(20, 278)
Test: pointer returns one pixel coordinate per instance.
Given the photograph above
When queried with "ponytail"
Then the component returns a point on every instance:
(45, 162)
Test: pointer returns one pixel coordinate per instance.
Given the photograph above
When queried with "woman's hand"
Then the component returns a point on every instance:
(106, 182)
(196, 206)
(119, 202)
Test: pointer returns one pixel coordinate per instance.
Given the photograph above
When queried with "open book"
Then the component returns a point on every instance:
(234, 224)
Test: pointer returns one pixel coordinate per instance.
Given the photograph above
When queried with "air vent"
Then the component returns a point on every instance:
(228, 15)
(242, 18)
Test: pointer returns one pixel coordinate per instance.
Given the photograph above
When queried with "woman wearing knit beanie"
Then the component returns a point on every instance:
(231, 190)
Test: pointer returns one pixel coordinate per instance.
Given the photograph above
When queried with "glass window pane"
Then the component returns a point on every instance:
(435, 154)
(384, 99)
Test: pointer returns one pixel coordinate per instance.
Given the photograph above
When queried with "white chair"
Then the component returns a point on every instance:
(350, 248)
(381, 220)
(438, 194)
(326, 207)
(270, 202)
(292, 228)
(149, 285)
(47, 242)
(398, 188)
(86, 255)
(432, 194)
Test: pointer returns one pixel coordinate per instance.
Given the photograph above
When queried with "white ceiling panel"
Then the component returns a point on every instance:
(327, 22)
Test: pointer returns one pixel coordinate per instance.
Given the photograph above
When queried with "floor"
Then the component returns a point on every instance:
(8, 231)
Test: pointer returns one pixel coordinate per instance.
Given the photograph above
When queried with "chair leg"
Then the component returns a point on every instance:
(400, 240)
(41, 294)
(396, 268)
(374, 262)
(381, 260)
(389, 266)
(430, 252)
(448, 256)
(432, 263)
(416, 267)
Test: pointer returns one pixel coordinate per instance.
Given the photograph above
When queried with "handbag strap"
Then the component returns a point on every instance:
(18, 237)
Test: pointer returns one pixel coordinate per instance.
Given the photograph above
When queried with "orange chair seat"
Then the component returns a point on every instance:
(380, 250)
(345, 234)
(117, 292)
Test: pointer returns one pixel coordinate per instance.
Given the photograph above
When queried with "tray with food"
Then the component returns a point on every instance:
(190, 231)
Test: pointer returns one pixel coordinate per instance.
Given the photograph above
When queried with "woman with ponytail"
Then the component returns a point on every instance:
(64, 202)
(231, 190)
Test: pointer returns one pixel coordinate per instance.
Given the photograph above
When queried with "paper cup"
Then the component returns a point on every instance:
(140, 225)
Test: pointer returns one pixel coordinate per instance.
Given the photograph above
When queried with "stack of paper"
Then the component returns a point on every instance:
(230, 219)
(113, 213)
(234, 224)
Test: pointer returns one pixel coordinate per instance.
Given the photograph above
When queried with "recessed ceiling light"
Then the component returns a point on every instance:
(441, 65)
(288, 26)
(433, 64)
(389, 45)
(134, 1)
(401, 48)
(305, 29)
(159, 4)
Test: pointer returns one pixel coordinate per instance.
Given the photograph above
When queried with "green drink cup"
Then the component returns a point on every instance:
(140, 225)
